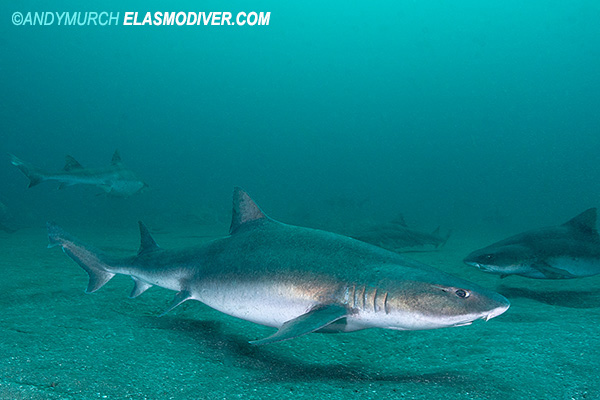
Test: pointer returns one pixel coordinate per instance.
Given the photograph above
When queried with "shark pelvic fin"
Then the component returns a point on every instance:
(586, 221)
(139, 287)
(71, 164)
(180, 297)
(318, 318)
(244, 210)
(551, 272)
(116, 158)
(147, 243)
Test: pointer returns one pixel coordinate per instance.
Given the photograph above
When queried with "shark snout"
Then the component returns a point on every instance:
(475, 264)
(501, 309)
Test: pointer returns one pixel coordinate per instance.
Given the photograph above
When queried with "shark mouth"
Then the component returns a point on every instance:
(482, 267)
(495, 312)
(486, 317)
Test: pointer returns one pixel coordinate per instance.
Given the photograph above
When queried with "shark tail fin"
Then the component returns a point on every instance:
(443, 243)
(34, 174)
(94, 262)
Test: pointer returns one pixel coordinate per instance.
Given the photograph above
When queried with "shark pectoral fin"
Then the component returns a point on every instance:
(180, 297)
(312, 321)
(139, 287)
(551, 272)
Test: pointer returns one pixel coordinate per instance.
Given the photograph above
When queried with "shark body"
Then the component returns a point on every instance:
(570, 250)
(296, 279)
(115, 180)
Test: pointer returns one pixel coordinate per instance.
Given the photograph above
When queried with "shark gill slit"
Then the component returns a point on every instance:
(362, 296)
(375, 300)
(385, 303)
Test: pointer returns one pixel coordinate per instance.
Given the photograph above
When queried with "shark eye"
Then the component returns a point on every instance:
(463, 294)
(488, 257)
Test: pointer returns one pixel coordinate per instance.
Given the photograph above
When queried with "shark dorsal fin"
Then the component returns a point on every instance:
(147, 243)
(116, 158)
(586, 221)
(244, 210)
(71, 164)
(400, 221)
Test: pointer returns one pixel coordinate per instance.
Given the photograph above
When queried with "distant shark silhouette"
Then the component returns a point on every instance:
(396, 235)
(298, 280)
(115, 180)
(570, 250)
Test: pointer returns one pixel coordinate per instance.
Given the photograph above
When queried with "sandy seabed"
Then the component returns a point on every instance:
(56, 342)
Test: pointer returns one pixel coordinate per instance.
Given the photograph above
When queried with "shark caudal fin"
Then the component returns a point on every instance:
(92, 261)
(443, 242)
(34, 174)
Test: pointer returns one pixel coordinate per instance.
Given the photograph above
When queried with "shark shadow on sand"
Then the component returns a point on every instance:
(278, 367)
(562, 298)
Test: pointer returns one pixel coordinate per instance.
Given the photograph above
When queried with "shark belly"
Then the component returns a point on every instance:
(268, 303)
(577, 267)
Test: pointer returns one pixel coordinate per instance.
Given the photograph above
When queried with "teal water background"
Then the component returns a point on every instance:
(451, 113)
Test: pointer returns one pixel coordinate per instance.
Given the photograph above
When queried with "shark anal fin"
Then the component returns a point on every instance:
(180, 297)
(139, 287)
(312, 321)
(147, 243)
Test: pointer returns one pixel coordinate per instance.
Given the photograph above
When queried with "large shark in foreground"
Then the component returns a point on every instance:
(570, 250)
(298, 280)
(115, 180)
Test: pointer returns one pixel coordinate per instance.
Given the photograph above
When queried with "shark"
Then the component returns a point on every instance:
(295, 279)
(396, 235)
(570, 250)
(116, 180)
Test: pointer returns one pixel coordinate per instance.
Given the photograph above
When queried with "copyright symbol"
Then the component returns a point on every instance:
(17, 18)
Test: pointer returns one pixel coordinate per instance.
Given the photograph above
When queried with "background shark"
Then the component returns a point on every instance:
(570, 250)
(298, 280)
(396, 235)
(115, 180)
